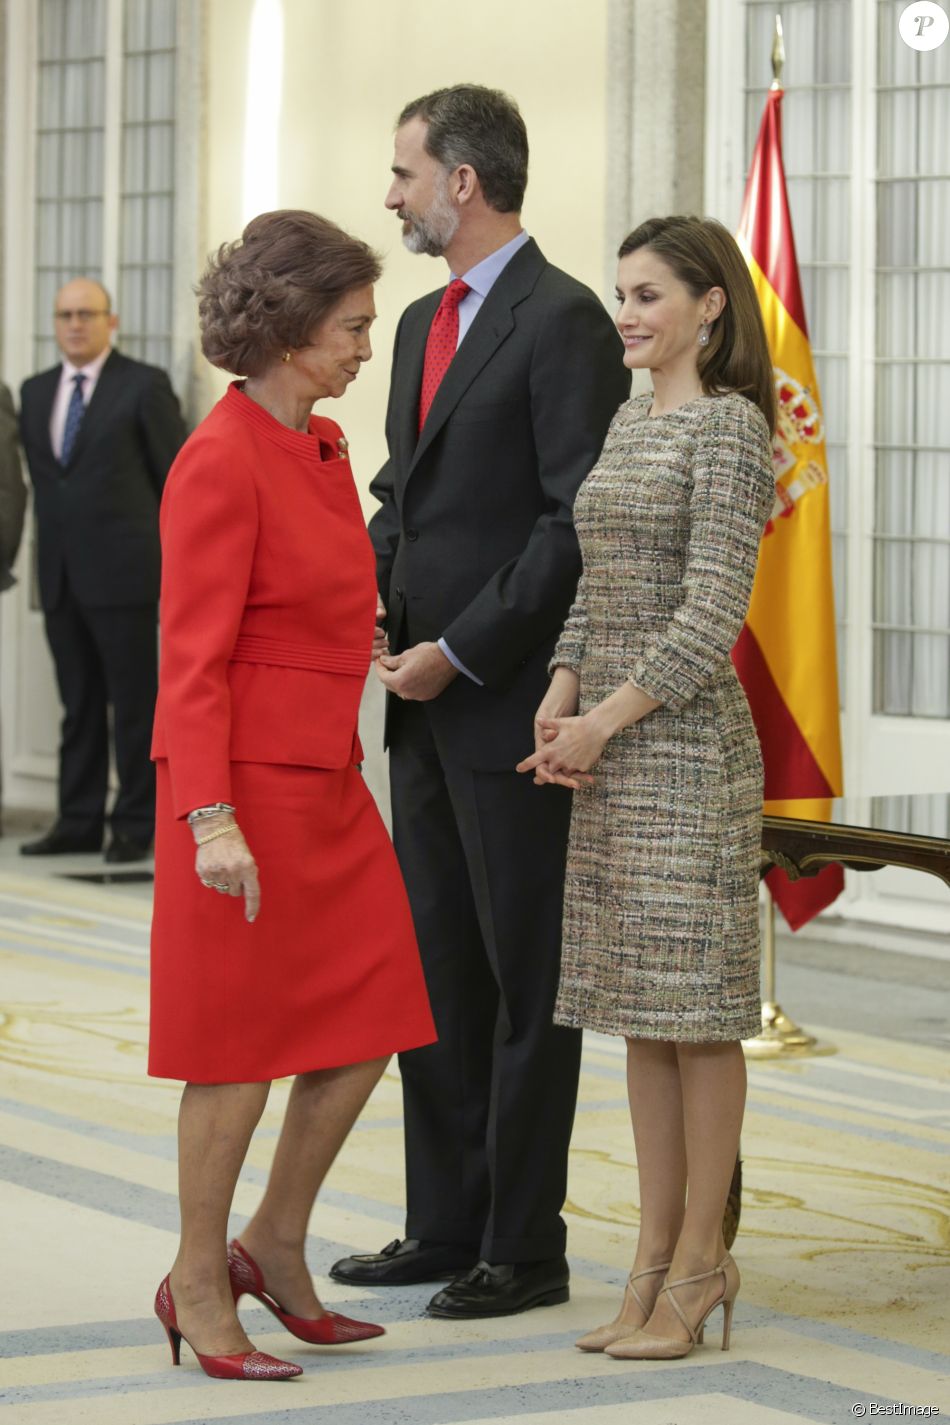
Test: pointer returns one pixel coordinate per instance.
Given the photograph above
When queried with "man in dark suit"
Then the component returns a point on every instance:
(100, 432)
(12, 490)
(12, 493)
(478, 565)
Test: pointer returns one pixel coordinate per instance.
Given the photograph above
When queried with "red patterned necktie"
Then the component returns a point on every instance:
(441, 345)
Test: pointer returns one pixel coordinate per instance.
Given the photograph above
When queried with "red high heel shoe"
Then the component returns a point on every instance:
(250, 1365)
(331, 1329)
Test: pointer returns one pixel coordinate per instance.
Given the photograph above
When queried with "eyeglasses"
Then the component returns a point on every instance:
(82, 315)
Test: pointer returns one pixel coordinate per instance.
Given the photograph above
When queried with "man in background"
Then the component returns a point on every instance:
(100, 432)
(12, 490)
(12, 493)
(503, 386)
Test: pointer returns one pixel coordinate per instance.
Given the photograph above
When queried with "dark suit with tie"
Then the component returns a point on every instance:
(99, 567)
(475, 544)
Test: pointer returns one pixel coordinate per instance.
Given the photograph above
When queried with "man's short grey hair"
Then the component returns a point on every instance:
(482, 127)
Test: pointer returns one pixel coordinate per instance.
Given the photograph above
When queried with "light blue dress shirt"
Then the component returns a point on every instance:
(481, 278)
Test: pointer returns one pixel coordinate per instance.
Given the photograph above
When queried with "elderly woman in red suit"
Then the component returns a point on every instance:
(283, 944)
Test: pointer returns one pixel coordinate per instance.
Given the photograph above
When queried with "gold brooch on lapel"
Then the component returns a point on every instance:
(342, 447)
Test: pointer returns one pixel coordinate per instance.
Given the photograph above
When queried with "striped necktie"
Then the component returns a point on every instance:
(74, 414)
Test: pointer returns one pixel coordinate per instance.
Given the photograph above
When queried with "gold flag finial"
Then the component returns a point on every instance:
(778, 54)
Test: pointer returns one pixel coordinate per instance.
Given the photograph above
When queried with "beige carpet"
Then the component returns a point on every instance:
(844, 1246)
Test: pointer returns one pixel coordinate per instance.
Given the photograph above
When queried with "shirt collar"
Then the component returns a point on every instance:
(483, 276)
(91, 370)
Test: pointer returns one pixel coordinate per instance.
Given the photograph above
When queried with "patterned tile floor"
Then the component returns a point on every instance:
(844, 1245)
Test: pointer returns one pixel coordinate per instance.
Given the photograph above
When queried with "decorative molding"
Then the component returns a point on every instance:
(656, 83)
(190, 202)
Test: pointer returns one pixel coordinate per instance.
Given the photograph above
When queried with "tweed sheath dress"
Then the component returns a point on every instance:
(661, 936)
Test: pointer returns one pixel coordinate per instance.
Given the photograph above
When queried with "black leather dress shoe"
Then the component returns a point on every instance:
(405, 1262)
(504, 1290)
(123, 848)
(59, 842)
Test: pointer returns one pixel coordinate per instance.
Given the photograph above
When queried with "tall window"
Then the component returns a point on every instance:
(148, 162)
(906, 408)
(105, 161)
(70, 144)
(911, 616)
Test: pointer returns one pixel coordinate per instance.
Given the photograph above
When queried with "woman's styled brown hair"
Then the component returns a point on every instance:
(703, 254)
(270, 290)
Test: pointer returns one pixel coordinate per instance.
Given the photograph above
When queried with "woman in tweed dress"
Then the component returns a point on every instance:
(661, 901)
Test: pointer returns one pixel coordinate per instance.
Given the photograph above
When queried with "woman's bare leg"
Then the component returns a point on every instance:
(713, 1080)
(215, 1124)
(656, 1111)
(321, 1110)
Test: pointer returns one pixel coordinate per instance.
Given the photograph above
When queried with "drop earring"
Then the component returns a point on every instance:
(286, 355)
(703, 337)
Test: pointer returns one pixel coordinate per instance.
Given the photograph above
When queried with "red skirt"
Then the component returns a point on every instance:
(328, 974)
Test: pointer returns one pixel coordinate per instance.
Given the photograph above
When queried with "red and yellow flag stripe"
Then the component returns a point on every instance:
(786, 655)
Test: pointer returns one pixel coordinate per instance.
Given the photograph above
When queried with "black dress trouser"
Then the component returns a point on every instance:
(488, 1109)
(105, 656)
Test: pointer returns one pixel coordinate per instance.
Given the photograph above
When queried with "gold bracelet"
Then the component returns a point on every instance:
(213, 835)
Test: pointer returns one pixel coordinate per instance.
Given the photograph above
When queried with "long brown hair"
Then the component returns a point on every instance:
(702, 253)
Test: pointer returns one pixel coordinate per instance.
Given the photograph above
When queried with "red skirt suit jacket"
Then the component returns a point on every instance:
(266, 642)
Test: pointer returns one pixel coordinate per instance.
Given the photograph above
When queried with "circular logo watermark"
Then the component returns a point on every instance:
(924, 25)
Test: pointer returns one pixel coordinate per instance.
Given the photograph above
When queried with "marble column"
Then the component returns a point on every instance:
(655, 113)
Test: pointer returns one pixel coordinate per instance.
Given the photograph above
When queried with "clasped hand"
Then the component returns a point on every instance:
(566, 748)
(380, 637)
(420, 673)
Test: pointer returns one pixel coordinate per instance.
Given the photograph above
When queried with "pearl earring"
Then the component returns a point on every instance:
(703, 337)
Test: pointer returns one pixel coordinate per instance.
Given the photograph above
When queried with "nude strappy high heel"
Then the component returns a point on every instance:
(642, 1346)
(603, 1336)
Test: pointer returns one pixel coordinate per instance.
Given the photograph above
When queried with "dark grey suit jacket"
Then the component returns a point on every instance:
(97, 518)
(474, 539)
(12, 489)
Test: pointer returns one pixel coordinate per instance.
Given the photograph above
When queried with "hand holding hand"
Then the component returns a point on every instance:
(226, 865)
(560, 700)
(380, 638)
(420, 674)
(566, 749)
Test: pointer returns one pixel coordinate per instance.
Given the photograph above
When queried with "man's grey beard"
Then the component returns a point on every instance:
(432, 233)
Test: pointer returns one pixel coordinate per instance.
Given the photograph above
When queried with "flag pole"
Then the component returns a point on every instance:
(778, 54)
(779, 1037)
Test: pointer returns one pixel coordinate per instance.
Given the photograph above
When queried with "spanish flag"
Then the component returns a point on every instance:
(785, 655)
